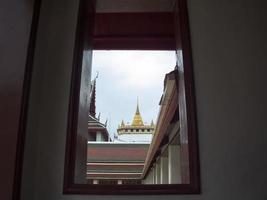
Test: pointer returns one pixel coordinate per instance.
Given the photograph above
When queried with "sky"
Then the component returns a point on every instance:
(124, 77)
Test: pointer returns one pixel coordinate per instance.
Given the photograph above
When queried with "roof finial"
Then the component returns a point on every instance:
(137, 107)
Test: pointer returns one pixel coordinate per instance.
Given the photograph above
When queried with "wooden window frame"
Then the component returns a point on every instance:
(69, 186)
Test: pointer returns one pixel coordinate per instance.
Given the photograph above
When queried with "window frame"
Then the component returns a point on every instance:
(69, 186)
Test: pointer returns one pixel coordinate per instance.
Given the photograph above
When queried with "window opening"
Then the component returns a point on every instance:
(130, 85)
(173, 131)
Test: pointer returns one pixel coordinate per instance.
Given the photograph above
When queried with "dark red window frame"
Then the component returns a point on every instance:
(127, 41)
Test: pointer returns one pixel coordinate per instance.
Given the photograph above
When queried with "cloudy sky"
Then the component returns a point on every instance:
(125, 76)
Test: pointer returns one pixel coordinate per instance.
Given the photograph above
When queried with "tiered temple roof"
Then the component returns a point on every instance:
(94, 124)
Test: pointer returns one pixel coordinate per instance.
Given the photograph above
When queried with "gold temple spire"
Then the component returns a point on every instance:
(137, 112)
(137, 126)
(137, 120)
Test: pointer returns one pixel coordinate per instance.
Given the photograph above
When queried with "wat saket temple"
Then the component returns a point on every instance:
(137, 131)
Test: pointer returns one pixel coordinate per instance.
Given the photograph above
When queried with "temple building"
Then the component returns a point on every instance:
(113, 162)
(97, 131)
(141, 153)
(163, 160)
(167, 160)
(137, 131)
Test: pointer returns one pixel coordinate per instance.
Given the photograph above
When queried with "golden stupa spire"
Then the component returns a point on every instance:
(137, 120)
(137, 112)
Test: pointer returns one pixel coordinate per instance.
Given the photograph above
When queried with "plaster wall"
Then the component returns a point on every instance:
(229, 48)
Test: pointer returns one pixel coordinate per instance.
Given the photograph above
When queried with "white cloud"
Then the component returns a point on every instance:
(135, 69)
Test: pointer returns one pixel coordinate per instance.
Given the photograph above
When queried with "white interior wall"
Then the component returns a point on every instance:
(229, 52)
